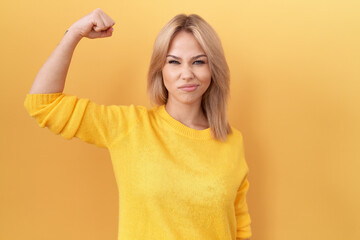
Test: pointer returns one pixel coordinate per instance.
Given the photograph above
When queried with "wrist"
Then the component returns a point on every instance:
(72, 34)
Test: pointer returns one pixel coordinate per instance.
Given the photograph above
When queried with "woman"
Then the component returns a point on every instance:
(179, 166)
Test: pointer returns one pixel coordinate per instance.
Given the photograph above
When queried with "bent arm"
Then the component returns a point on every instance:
(52, 75)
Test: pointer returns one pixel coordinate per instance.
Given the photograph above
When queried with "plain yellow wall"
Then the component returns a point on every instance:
(295, 72)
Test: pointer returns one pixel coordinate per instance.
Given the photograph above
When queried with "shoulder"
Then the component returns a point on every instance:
(131, 109)
(139, 108)
(137, 112)
(119, 113)
(236, 134)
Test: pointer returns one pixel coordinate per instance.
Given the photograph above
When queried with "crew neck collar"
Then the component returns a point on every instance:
(181, 128)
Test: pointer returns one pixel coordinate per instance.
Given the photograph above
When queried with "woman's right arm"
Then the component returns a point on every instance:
(52, 75)
(69, 115)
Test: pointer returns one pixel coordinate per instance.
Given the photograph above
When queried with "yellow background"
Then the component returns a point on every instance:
(295, 72)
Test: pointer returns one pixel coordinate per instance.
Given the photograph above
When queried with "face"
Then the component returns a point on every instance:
(186, 73)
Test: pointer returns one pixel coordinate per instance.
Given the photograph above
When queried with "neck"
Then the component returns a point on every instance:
(190, 115)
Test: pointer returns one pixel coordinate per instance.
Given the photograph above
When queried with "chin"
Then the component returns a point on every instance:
(189, 100)
(185, 98)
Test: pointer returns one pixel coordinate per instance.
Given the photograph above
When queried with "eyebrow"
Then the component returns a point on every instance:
(201, 55)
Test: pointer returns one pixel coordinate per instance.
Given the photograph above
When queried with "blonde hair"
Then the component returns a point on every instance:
(214, 100)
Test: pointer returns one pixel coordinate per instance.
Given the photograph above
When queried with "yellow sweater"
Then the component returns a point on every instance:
(174, 182)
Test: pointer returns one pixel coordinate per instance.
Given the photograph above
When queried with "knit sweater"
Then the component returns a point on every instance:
(174, 182)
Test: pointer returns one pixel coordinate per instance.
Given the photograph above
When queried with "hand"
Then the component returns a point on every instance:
(97, 24)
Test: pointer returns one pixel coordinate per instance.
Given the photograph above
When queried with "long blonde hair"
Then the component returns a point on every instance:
(214, 100)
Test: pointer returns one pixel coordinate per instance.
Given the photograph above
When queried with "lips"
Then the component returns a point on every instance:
(189, 87)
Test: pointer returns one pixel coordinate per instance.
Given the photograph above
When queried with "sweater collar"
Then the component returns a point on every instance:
(180, 127)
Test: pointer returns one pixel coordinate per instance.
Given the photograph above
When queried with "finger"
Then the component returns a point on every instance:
(107, 20)
(101, 34)
(107, 33)
(99, 25)
(102, 24)
(98, 21)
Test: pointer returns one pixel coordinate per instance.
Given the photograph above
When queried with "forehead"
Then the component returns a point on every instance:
(184, 44)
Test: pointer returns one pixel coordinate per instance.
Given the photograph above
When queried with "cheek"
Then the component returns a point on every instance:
(167, 77)
(171, 74)
(205, 76)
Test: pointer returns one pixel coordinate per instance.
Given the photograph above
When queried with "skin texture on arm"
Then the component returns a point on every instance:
(52, 75)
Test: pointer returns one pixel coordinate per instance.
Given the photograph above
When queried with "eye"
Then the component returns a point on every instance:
(173, 62)
(199, 62)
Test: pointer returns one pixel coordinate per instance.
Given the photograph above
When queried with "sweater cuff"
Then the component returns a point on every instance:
(244, 233)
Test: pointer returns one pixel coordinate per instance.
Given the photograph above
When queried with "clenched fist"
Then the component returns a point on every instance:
(97, 24)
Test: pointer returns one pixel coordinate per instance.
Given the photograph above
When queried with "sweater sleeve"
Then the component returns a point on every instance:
(241, 211)
(71, 116)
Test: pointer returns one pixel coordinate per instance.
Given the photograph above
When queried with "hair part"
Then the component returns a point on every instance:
(214, 100)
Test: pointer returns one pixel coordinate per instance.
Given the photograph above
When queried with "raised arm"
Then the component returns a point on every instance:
(52, 75)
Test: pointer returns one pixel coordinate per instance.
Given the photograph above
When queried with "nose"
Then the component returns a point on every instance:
(187, 72)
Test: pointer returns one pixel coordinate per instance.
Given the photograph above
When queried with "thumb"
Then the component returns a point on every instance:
(101, 34)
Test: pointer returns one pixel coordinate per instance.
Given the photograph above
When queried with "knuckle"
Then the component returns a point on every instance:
(97, 12)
